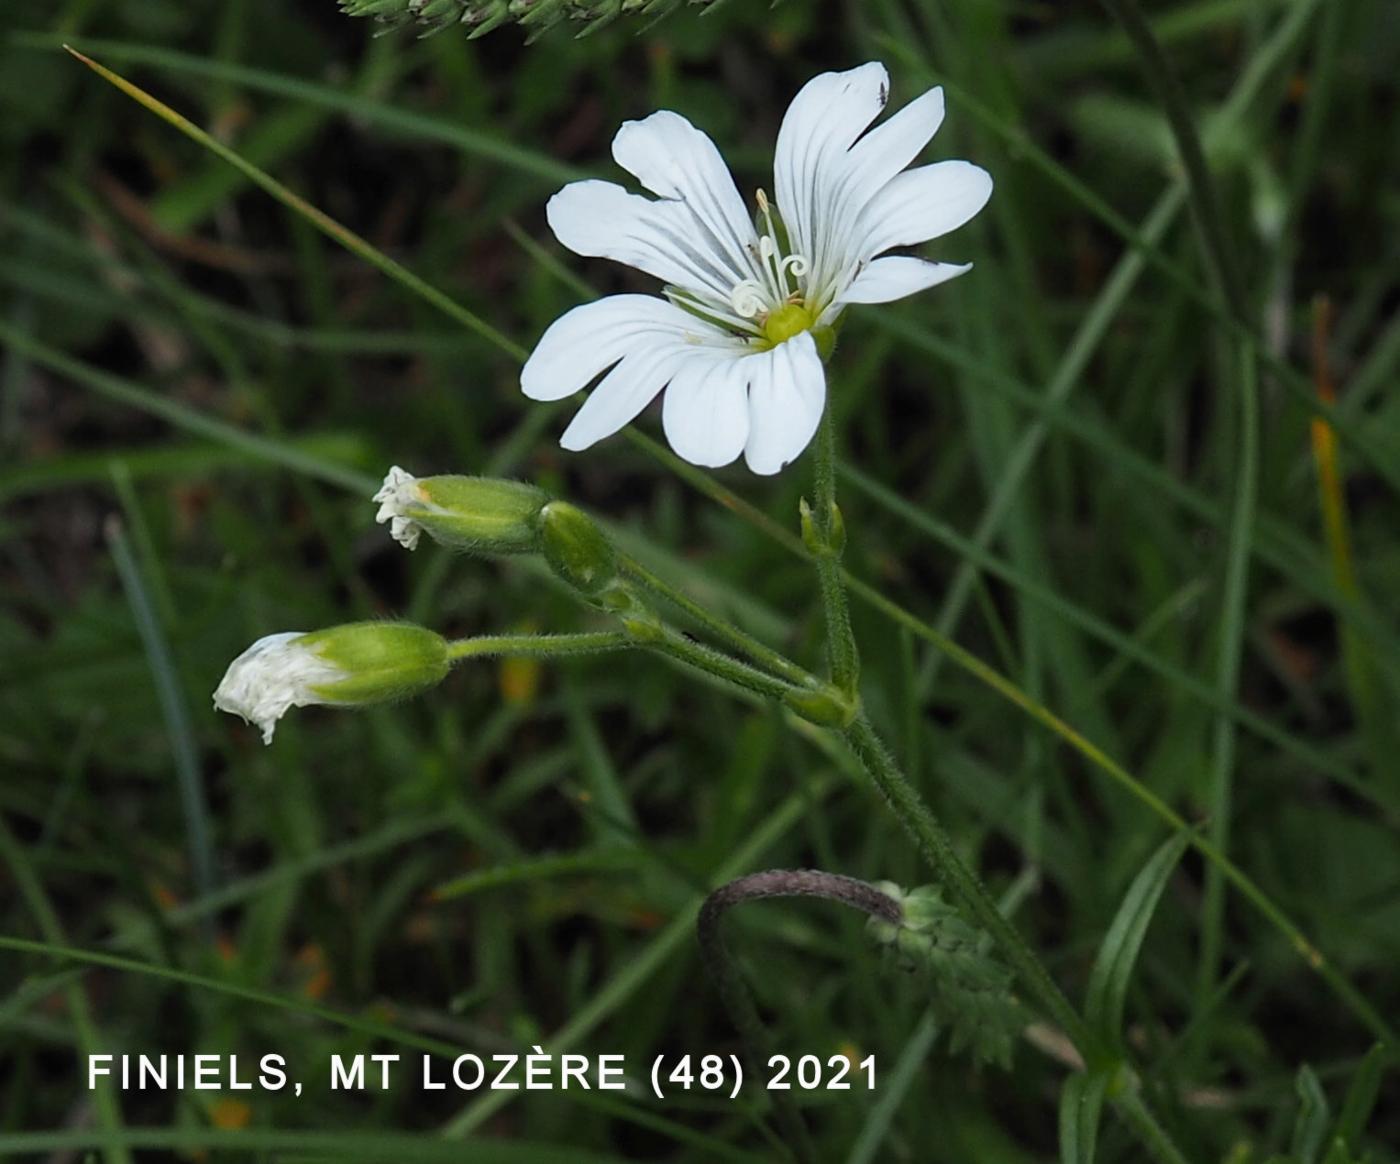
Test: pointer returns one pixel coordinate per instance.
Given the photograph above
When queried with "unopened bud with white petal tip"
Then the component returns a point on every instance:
(482, 515)
(577, 549)
(345, 666)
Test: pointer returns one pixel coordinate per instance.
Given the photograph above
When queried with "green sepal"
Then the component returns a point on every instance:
(381, 661)
(483, 515)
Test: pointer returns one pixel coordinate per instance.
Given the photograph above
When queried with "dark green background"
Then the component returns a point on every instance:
(156, 310)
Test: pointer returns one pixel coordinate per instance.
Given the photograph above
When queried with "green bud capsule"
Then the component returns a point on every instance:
(345, 666)
(824, 706)
(379, 661)
(577, 549)
(475, 514)
(821, 543)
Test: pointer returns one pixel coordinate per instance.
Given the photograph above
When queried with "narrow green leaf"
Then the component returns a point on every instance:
(893, 1089)
(184, 417)
(1081, 1109)
(614, 822)
(976, 553)
(174, 708)
(472, 142)
(1310, 1128)
(356, 1145)
(299, 205)
(1113, 969)
(1361, 1095)
(185, 460)
(599, 861)
(1230, 658)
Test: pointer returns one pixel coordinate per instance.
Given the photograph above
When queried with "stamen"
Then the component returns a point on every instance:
(770, 289)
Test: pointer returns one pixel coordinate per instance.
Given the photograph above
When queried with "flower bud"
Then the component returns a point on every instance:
(577, 550)
(829, 542)
(970, 988)
(477, 514)
(347, 666)
(825, 706)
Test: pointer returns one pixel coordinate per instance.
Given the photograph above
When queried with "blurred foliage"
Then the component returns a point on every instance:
(1041, 463)
(478, 17)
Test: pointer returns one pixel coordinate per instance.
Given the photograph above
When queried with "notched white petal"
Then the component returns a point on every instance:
(396, 497)
(274, 674)
(885, 150)
(662, 237)
(621, 395)
(673, 159)
(923, 204)
(584, 341)
(705, 413)
(885, 280)
(787, 391)
(825, 118)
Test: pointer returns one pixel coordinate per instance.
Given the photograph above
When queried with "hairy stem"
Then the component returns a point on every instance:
(906, 803)
(758, 652)
(668, 641)
(936, 846)
(824, 534)
(537, 645)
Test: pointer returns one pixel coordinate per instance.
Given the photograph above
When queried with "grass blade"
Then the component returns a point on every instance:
(893, 1089)
(1310, 1128)
(318, 218)
(182, 416)
(173, 708)
(1081, 1112)
(1113, 968)
(1220, 795)
(469, 141)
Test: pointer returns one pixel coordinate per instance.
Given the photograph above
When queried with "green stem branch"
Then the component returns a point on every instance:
(671, 643)
(824, 532)
(537, 645)
(758, 652)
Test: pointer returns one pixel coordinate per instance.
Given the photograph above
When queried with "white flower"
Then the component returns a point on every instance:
(735, 341)
(275, 673)
(396, 495)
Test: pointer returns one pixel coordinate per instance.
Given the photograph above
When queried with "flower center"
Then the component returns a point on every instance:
(787, 321)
